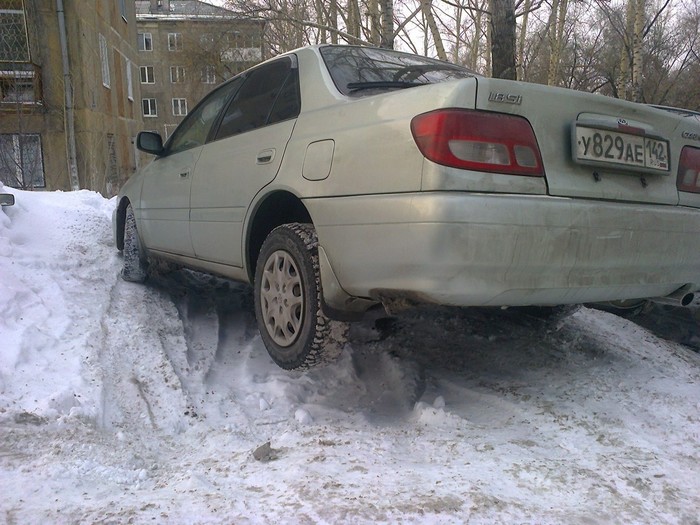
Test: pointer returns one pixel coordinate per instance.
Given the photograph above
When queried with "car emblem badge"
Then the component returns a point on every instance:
(506, 98)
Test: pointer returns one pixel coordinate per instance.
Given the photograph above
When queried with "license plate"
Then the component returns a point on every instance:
(622, 149)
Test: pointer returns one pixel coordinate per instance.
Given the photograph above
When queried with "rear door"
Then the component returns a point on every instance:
(244, 156)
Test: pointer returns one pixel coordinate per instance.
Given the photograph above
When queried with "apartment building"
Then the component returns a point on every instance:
(70, 98)
(186, 48)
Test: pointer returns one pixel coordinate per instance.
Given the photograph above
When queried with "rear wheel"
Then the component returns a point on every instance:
(135, 264)
(288, 295)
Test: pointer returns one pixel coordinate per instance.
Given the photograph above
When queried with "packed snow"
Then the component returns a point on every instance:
(157, 403)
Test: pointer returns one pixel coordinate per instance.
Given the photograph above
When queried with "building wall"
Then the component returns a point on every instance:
(106, 118)
(44, 117)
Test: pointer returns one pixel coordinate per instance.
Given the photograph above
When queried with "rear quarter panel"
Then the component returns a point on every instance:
(373, 149)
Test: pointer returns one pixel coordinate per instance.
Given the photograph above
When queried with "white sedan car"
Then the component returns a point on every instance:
(337, 178)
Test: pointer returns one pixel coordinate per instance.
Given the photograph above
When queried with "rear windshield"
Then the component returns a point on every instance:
(362, 70)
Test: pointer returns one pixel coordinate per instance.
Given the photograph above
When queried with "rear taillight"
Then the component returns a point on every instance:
(477, 140)
(689, 170)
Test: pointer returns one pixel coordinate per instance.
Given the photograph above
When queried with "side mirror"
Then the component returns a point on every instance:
(7, 199)
(150, 142)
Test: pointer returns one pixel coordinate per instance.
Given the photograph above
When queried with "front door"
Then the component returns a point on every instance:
(165, 198)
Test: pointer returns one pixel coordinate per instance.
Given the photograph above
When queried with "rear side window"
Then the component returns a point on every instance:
(269, 94)
(287, 104)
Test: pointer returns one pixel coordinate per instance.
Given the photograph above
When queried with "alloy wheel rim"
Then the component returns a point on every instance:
(282, 298)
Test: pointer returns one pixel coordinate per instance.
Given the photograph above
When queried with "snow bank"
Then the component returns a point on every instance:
(157, 403)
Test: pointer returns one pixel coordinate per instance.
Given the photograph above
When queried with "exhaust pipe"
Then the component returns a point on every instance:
(686, 297)
(695, 303)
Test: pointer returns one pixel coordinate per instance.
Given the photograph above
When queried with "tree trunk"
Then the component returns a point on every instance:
(489, 39)
(623, 79)
(458, 34)
(503, 39)
(521, 41)
(333, 22)
(434, 31)
(387, 38)
(354, 20)
(637, 42)
(320, 16)
(556, 30)
(474, 51)
(373, 15)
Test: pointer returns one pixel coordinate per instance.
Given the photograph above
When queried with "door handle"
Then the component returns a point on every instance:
(266, 156)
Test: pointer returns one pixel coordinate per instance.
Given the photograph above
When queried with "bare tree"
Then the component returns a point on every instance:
(633, 50)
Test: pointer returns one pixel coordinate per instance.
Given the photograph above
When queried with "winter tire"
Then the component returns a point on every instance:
(288, 296)
(135, 264)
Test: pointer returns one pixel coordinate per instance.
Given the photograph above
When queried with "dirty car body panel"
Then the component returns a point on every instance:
(425, 182)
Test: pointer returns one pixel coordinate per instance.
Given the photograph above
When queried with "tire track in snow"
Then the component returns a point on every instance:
(219, 330)
(140, 387)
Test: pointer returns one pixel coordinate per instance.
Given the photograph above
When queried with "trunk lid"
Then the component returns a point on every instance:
(594, 146)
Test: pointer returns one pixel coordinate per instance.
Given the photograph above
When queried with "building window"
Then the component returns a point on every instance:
(129, 81)
(122, 9)
(145, 42)
(175, 41)
(147, 76)
(21, 162)
(177, 74)
(208, 75)
(207, 42)
(150, 108)
(14, 46)
(20, 84)
(104, 58)
(179, 107)
(112, 162)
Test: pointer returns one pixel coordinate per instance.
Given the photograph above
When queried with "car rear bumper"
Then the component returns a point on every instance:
(506, 250)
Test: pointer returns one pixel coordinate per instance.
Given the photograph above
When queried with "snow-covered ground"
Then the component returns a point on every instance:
(125, 403)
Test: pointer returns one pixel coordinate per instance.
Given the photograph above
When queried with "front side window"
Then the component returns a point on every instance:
(174, 41)
(255, 102)
(195, 128)
(147, 76)
(177, 74)
(21, 161)
(179, 107)
(145, 42)
(150, 108)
